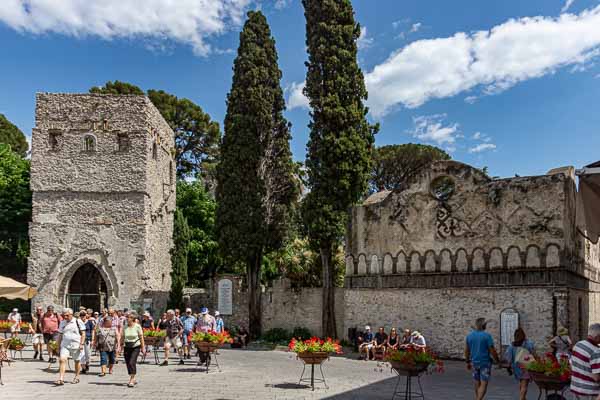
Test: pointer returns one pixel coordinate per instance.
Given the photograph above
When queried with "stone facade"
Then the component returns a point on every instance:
(456, 245)
(103, 182)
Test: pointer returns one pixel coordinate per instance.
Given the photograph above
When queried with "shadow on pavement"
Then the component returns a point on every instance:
(288, 385)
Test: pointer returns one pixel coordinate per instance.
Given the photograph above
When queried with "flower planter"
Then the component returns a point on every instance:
(16, 347)
(313, 357)
(151, 340)
(548, 382)
(207, 347)
(408, 369)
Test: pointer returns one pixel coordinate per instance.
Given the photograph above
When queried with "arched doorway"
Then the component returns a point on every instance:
(87, 288)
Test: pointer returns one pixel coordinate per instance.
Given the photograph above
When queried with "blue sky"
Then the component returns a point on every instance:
(513, 85)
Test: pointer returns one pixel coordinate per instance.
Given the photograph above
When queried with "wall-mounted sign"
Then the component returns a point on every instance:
(225, 296)
(509, 322)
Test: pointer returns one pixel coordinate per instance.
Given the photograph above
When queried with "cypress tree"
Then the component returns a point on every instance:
(255, 184)
(179, 257)
(341, 140)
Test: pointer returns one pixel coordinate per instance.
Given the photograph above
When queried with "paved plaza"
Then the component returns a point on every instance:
(246, 374)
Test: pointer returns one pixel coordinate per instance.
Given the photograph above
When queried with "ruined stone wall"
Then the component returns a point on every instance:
(445, 316)
(484, 225)
(100, 205)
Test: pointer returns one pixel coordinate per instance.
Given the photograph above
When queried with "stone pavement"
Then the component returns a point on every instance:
(246, 374)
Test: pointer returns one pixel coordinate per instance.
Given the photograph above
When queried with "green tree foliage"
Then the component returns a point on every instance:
(179, 259)
(117, 87)
(11, 135)
(341, 140)
(395, 165)
(15, 212)
(196, 135)
(255, 182)
(199, 208)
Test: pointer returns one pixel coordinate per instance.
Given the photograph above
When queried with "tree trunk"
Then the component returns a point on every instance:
(329, 326)
(254, 295)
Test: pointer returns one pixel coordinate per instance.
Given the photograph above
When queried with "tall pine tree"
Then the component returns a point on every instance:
(341, 139)
(179, 258)
(255, 184)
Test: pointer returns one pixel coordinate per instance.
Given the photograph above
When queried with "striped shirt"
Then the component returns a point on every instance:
(585, 365)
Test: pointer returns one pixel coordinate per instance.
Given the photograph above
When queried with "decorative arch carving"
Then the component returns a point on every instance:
(388, 264)
(533, 259)
(479, 262)
(401, 263)
(461, 263)
(415, 262)
(446, 261)
(552, 256)
(514, 258)
(496, 258)
(430, 261)
(108, 276)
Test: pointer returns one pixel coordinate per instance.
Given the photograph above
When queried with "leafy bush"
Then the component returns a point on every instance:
(300, 332)
(276, 335)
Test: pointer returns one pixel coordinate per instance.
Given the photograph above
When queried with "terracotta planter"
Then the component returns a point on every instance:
(4, 330)
(548, 382)
(151, 340)
(207, 347)
(409, 369)
(16, 348)
(313, 357)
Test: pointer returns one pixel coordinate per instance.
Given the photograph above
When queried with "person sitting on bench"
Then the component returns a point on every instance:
(366, 343)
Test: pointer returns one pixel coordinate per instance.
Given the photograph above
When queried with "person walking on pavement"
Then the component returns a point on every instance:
(50, 324)
(479, 354)
(174, 330)
(188, 321)
(71, 339)
(133, 344)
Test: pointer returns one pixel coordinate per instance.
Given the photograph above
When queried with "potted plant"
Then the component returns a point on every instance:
(413, 361)
(25, 327)
(208, 342)
(16, 344)
(314, 350)
(153, 336)
(550, 373)
(5, 326)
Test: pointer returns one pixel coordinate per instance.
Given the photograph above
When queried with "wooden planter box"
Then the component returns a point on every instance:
(313, 358)
(409, 369)
(16, 348)
(207, 347)
(548, 382)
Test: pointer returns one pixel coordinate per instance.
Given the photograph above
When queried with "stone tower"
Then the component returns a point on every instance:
(103, 182)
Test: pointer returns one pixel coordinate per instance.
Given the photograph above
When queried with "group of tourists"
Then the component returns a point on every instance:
(480, 353)
(112, 333)
(375, 346)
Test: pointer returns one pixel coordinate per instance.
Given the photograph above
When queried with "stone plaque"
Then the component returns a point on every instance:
(225, 299)
(509, 322)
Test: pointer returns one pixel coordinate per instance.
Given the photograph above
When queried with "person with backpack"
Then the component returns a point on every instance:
(520, 354)
(561, 344)
(105, 339)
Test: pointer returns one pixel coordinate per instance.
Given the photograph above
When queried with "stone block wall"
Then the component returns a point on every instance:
(445, 316)
(109, 204)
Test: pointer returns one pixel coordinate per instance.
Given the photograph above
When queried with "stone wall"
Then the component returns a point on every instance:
(445, 316)
(282, 306)
(110, 205)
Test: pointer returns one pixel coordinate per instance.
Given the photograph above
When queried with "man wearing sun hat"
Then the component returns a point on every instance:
(206, 323)
(189, 322)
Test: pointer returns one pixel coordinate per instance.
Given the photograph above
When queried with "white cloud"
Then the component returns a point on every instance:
(185, 21)
(431, 128)
(567, 5)
(494, 60)
(471, 99)
(281, 4)
(415, 27)
(296, 98)
(482, 147)
(364, 41)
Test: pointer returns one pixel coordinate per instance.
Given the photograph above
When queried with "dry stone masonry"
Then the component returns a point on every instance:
(103, 182)
(456, 245)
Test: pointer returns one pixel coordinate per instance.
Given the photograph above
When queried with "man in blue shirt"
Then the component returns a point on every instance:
(188, 321)
(219, 323)
(366, 343)
(479, 353)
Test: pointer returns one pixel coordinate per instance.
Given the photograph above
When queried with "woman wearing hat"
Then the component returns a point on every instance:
(206, 323)
(561, 344)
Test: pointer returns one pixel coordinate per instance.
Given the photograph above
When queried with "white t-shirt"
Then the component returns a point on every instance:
(14, 317)
(71, 333)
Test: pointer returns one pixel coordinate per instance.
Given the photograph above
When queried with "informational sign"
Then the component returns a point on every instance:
(225, 296)
(509, 322)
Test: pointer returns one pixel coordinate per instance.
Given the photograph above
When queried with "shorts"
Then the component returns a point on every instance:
(50, 336)
(65, 353)
(174, 342)
(38, 338)
(186, 338)
(107, 357)
(482, 373)
(15, 329)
